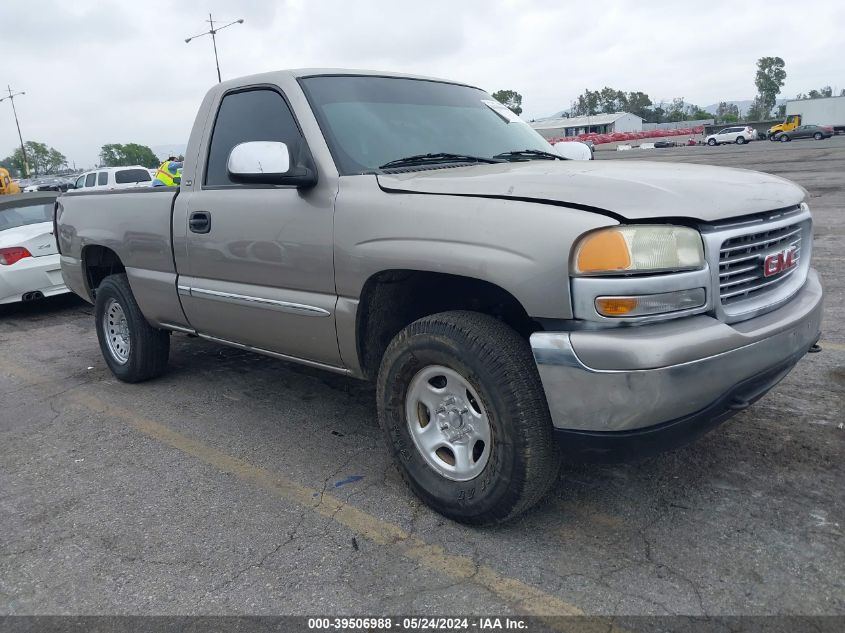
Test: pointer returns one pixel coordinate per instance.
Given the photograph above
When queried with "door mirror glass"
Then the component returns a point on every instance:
(259, 161)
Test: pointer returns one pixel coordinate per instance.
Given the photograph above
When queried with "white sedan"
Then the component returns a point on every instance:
(29, 259)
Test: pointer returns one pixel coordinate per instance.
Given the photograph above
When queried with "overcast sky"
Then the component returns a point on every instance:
(111, 71)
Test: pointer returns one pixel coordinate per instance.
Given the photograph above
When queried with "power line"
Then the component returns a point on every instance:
(11, 98)
(213, 33)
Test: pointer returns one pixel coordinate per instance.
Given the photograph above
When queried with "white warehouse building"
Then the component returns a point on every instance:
(597, 123)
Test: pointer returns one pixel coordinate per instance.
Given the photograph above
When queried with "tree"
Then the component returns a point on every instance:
(727, 112)
(695, 113)
(769, 80)
(587, 103)
(41, 159)
(117, 155)
(676, 110)
(510, 98)
(6, 163)
(758, 111)
(827, 91)
(639, 103)
(781, 111)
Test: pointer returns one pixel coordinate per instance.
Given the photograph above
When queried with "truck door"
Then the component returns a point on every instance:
(257, 266)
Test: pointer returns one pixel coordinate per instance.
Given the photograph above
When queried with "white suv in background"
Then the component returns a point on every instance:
(114, 178)
(738, 134)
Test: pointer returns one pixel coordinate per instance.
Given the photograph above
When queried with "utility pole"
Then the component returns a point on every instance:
(213, 33)
(11, 98)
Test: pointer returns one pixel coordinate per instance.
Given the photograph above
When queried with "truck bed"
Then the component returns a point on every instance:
(135, 224)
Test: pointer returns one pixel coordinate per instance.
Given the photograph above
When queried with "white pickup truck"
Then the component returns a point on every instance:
(513, 307)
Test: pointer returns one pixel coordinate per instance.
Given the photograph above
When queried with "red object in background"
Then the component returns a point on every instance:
(9, 256)
(598, 139)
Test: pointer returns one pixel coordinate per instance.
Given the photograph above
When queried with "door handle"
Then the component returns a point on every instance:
(200, 222)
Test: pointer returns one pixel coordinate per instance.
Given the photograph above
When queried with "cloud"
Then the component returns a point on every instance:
(104, 71)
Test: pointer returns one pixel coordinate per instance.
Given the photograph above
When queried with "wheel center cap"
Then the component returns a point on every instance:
(452, 420)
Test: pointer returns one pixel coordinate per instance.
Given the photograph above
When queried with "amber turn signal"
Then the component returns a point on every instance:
(616, 306)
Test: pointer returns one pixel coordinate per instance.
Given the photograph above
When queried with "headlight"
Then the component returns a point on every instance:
(639, 249)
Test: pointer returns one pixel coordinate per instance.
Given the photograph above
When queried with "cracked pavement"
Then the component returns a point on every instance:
(227, 486)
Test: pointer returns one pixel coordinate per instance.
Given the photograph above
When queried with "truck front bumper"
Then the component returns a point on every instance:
(626, 392)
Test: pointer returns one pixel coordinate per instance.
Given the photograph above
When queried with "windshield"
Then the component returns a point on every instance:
(371, 121)
(13, 217)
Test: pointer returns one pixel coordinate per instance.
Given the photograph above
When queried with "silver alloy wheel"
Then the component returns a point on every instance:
(116, 330)
(448, 424)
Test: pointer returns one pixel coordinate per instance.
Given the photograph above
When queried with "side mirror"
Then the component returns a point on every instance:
(270, 162)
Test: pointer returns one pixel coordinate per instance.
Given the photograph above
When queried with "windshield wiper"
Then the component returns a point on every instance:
(528, 154)
(439, 157)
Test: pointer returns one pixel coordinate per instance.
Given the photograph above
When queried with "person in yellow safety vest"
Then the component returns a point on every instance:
(169, 173)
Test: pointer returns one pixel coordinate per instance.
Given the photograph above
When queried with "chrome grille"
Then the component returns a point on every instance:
(741, 262)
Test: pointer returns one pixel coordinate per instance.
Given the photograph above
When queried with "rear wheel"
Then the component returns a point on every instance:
(783, 138)
(711, 142)
(132, 348)
(818, 136)
(740, 140)
(465, 416)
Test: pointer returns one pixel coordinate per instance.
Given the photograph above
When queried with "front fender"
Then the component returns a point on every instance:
(522, 247)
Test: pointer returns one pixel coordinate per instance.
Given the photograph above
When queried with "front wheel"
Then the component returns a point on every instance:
(132, 348)
(465, 416)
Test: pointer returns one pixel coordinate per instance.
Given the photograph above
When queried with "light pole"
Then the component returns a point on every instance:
(213, 33)
(11, 98)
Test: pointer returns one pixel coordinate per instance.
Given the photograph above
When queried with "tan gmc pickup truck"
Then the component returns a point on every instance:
(514, 308)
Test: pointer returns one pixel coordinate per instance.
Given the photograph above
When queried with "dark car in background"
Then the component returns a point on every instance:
(817, 132)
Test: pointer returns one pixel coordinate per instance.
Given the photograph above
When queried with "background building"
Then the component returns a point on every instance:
(597, 123)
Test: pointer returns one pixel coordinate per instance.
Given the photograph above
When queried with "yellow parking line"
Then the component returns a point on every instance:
(522, 597)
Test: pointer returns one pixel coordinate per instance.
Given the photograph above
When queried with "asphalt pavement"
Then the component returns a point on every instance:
(239, 484)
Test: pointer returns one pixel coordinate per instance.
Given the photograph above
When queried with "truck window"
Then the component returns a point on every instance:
(103, 178)
(125, 176)
(80, 182)
(90, 179)
(253, 115)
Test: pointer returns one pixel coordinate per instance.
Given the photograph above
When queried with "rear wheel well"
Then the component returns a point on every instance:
(393, 299)
(99, 262)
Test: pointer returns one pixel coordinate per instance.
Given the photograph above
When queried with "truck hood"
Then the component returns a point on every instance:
(624, 189)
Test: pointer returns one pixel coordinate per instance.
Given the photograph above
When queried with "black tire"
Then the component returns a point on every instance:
(740, 140)
(149, 347)
(783, 138)
(711, 142)
(491, 357)
(818, 136)
(773, 137)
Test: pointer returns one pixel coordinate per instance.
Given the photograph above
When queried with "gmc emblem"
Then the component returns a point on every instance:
(776, 263)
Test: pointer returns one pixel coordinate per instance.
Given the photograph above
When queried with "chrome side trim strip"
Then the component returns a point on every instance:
(284, 306)
(178, 328)
(184, 290)
(292, 359)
